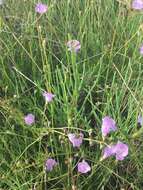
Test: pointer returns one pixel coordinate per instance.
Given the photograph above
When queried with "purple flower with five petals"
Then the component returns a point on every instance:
(108, 125)
(83, 167)
(41, 8)
(48, 96)
(75, 139)
(50, 164)
(29, 119)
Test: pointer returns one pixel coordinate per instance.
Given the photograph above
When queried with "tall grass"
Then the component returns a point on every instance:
(104, 78)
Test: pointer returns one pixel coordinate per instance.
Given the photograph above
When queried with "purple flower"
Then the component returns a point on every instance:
(50, 164)
(141, 50)
(137, 4)
(108, 125)
(75, 139)
(140, 120)
(48, 96)
(41, 8)
(29, 119)
(73, 45)
(108, 151)
(83, 167)
(119, 150)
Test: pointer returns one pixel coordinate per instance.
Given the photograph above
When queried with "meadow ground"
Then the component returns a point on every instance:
(104, 78)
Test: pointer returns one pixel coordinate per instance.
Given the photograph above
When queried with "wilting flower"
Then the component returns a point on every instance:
(141, 50)
(75, 139)
(137, 4)
(50, 164)
(119, 150)
(48, 96)
(83, 167)
(140, 120)
(73, 45)
(108, 125)
(29, 119)
(41, 8)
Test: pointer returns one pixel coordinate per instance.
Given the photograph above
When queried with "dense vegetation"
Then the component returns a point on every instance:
(104, 78)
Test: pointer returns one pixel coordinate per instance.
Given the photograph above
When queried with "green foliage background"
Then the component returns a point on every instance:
(104, 78)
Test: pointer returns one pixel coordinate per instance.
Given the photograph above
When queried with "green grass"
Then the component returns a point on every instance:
(104, 78)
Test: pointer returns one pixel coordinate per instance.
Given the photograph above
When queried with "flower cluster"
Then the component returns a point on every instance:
(72, 45)
(119, 150)
(29, 119)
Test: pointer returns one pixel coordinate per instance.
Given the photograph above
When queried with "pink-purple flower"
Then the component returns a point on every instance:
(48, 96)
(108, 125)
(76, 139)
(73, 45)
(141, 50)
(41, 8)
(137, 4)
(119, 150)
(50, 164)
(108, 151)
(83, 167)
(29, 119)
